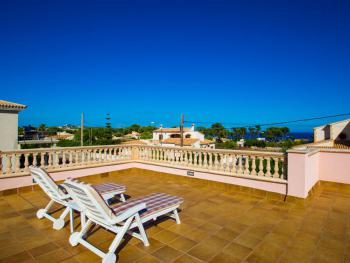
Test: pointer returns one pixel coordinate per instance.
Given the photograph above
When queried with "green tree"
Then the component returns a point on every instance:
(218, 130)
(42, 127)
(108, 130)
(134, 127)
(146, 135)
(251, 132)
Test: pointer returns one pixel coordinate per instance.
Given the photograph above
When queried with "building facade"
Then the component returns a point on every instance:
(9, 124)
(172, 137)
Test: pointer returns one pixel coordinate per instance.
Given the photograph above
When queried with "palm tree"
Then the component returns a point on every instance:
(42, 127)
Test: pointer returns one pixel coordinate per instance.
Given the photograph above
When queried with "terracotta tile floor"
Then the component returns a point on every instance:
(219, 224)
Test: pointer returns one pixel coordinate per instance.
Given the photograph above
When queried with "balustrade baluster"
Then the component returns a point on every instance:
(222, 162)
(210, 165)
(275, 172)
(190, 158)
(246, 165)
(64, 160)
(205, 160)
(16, 162)
(261, 166)
(70, 158)
(268, 166)
(240, 166)
(8, 164)
(216, 161)
(253, 172)
(26, 162)
(200, 159)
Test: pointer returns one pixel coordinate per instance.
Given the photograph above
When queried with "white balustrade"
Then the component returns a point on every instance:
(257, 164)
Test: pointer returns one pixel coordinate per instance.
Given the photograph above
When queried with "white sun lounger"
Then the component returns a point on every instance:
(120, 218)
(58, 194)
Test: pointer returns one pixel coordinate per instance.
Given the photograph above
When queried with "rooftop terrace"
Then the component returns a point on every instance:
(220, 223)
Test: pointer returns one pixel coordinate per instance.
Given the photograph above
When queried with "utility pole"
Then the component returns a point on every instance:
(182, 130)
(82, 129)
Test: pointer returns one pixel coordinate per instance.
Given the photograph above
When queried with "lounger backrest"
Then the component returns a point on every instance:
(90, 201)
(46, 183)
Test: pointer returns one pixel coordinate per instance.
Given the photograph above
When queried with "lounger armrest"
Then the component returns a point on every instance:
(129, 212)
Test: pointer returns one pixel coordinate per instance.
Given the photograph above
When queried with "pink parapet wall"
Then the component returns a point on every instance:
(17, 182)
(308, 166)
(303, 171)
(335, 166)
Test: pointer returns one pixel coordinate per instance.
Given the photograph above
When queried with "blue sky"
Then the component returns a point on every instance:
(142, 61)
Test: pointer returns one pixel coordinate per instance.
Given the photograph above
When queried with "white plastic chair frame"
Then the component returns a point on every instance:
(99, 213)
(57, 195)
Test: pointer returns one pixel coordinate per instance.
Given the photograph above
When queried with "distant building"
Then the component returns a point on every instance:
(31, 133)
(69, 127)
(240, 143)
(133, 135)
(9, 124)
(172, 137)
(332, 135)
(61, 136)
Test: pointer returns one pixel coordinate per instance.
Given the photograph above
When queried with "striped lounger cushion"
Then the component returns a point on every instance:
(154, 203)
(109, 188)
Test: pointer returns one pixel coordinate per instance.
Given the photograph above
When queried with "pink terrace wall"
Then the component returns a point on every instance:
(16, 182)
(303, 172)
(335, 167)
(307, 167)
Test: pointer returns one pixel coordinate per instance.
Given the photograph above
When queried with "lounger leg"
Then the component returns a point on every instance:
(59, 222)
(71, 218)
(113, 247)
(41, 212)
(82, 219)
(77, 236)
(122, 197)
(177, 218)
(142, 230)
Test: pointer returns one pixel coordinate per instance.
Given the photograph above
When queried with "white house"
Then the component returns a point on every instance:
(172, 137)
(332, 135)
(133, 135)
(9, 124)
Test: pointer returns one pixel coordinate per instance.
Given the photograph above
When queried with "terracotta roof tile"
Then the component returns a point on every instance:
(11, 105)
(205, 141)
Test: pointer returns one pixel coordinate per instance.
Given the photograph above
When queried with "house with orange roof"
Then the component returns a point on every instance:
(9, 124)
(172, 137)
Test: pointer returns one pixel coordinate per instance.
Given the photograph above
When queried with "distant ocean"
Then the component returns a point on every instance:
(296, 135)
(302, 135)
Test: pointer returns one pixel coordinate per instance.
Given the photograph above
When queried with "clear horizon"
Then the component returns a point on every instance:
(225, 61)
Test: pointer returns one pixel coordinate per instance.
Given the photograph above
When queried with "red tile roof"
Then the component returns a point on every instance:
(11, 105)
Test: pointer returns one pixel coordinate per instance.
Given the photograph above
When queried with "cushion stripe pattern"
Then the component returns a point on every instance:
(154, 203)
(109, 188)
